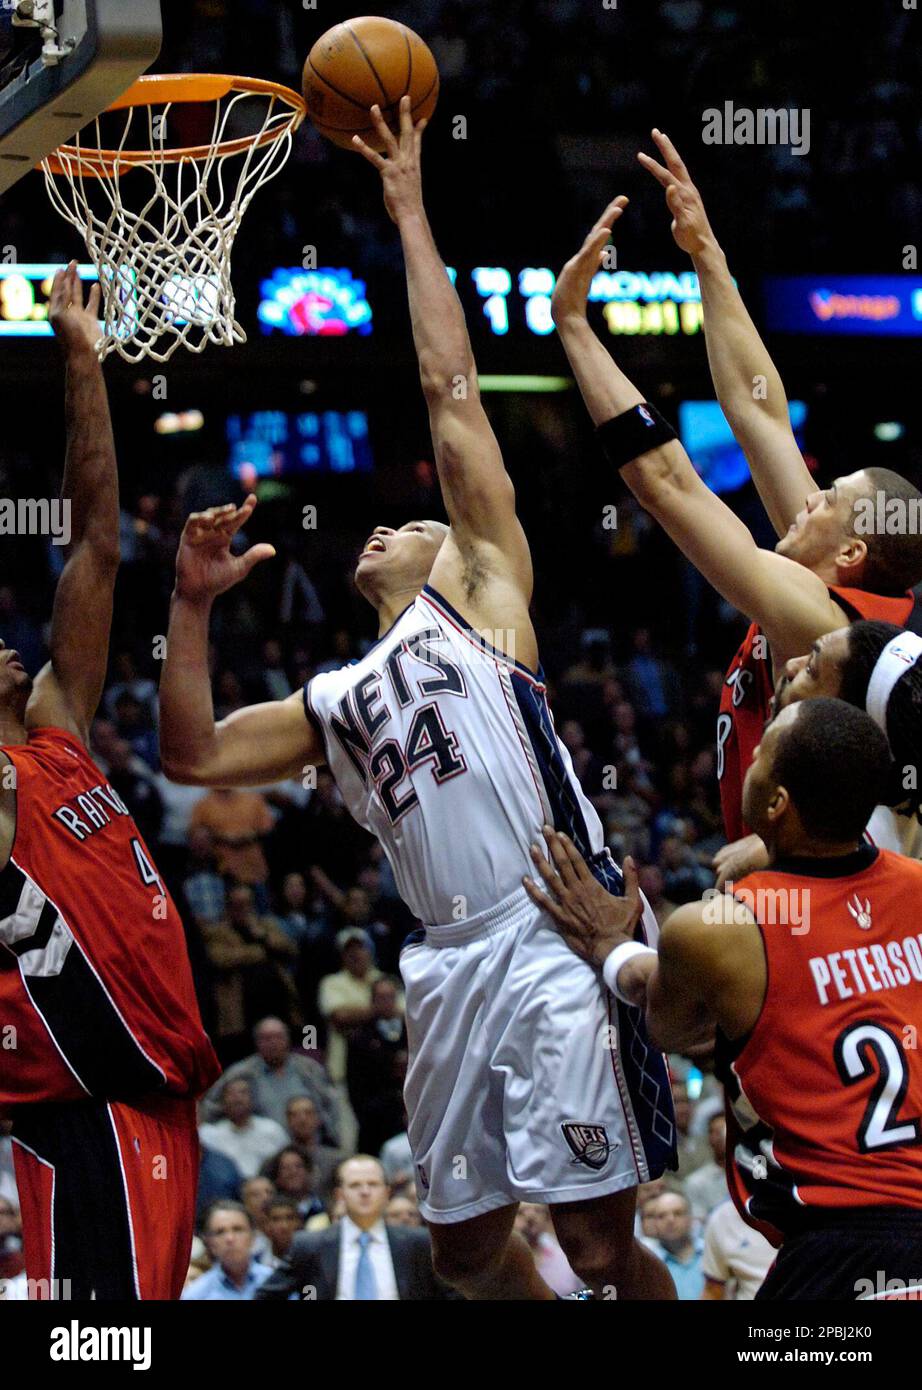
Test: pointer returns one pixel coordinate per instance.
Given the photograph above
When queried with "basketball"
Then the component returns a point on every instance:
(362, 62)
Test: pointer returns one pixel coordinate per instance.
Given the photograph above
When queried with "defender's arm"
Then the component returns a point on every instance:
(738, 358)
(789, 602)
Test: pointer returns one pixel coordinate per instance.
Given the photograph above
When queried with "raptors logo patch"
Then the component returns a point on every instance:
(589, 1144)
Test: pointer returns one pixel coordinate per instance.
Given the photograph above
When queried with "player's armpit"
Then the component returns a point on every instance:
(263, 743)
(789, 602)
(50, 707)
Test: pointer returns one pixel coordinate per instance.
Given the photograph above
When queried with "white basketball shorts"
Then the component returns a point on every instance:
(527, 1080)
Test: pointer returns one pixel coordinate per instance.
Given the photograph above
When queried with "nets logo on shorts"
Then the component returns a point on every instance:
(589, 1143)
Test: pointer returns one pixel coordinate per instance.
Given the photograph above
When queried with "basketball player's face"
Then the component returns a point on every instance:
(823, 524)
(817, 673)
(398, 561)
(760, 789)
(15, 681)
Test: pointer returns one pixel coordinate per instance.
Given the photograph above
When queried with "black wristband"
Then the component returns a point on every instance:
(635, 432)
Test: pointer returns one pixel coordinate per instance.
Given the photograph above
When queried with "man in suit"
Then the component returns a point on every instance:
(359, 1258)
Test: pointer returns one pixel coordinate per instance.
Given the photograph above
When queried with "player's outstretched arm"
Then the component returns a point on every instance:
(746, 381)
(264, 743)
(478, 493)
(789, 602)
(68, 690)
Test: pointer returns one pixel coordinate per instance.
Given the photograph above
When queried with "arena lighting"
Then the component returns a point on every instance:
(183, 422)
(866, 305)
(25, 291)
(534, 385)
(888, 430)
(636, 303)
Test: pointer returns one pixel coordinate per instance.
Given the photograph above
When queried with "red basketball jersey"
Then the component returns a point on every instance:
(96, 988)
(745, 701)
(824, 1097)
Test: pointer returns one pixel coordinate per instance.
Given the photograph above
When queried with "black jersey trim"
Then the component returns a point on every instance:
(839, 866)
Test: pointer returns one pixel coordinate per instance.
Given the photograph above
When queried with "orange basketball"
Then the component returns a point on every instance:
(359, 63)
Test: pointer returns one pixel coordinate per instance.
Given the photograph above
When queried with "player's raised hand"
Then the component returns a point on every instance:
(76, 326)
(591, 920)
(205, 563)
(572, 289)
(400, 167)
(690, 225)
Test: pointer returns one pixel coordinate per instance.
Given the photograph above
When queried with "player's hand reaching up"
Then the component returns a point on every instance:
(400, 169)
(75, 326)
(690, 225)
(572, 289)
(591, 920)
(205, 563)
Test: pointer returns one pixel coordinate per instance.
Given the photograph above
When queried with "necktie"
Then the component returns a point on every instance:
(366, 1285)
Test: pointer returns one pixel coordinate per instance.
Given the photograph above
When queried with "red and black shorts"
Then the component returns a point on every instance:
(107, 1195)
(853, 1254)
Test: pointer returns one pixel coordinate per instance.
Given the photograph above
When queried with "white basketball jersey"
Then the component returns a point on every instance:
(444, 748)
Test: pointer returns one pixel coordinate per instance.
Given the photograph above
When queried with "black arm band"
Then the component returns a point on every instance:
(635, 432)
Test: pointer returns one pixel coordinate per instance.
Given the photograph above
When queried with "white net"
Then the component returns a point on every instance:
(160, 223)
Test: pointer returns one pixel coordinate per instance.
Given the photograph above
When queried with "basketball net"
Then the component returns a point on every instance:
(160, 222)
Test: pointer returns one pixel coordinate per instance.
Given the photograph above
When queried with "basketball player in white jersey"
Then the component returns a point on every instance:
(522, 1086)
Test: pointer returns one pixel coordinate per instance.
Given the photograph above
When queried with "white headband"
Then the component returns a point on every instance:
(894, 661)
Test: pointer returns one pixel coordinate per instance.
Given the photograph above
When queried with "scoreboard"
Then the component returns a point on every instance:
(25, 291)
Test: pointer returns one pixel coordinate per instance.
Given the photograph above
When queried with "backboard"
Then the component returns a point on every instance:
(62, 63)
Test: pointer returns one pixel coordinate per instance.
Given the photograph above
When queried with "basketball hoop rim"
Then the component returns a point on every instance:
(167, 89)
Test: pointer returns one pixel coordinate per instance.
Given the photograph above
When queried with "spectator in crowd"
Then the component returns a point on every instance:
(7, 1174)
(291, 1175)
(651, 685)
(219, 1177)
(136, 784)
(236, 1273)
(255, 1194)
(403, 1210)
(246, 1138)
(250, 957)
(693, 1148)
(736, 1257)
(134, 724)
(344, 1000)
(304, 1126)
(706, 1187)
(277, 1076)
(20, 633)
(293, 916)
(360, 1258)
(376, 1067)
(533, 1223)
(283, 1221)
(680, 1250)
(397, 1158)
(684, 877)
(130, 682)
(238, 821)
(203, 887)
(11, 1256)
(270, 986)
(651, 885)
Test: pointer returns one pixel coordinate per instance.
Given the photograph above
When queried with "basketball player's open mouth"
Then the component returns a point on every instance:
(375, 546)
